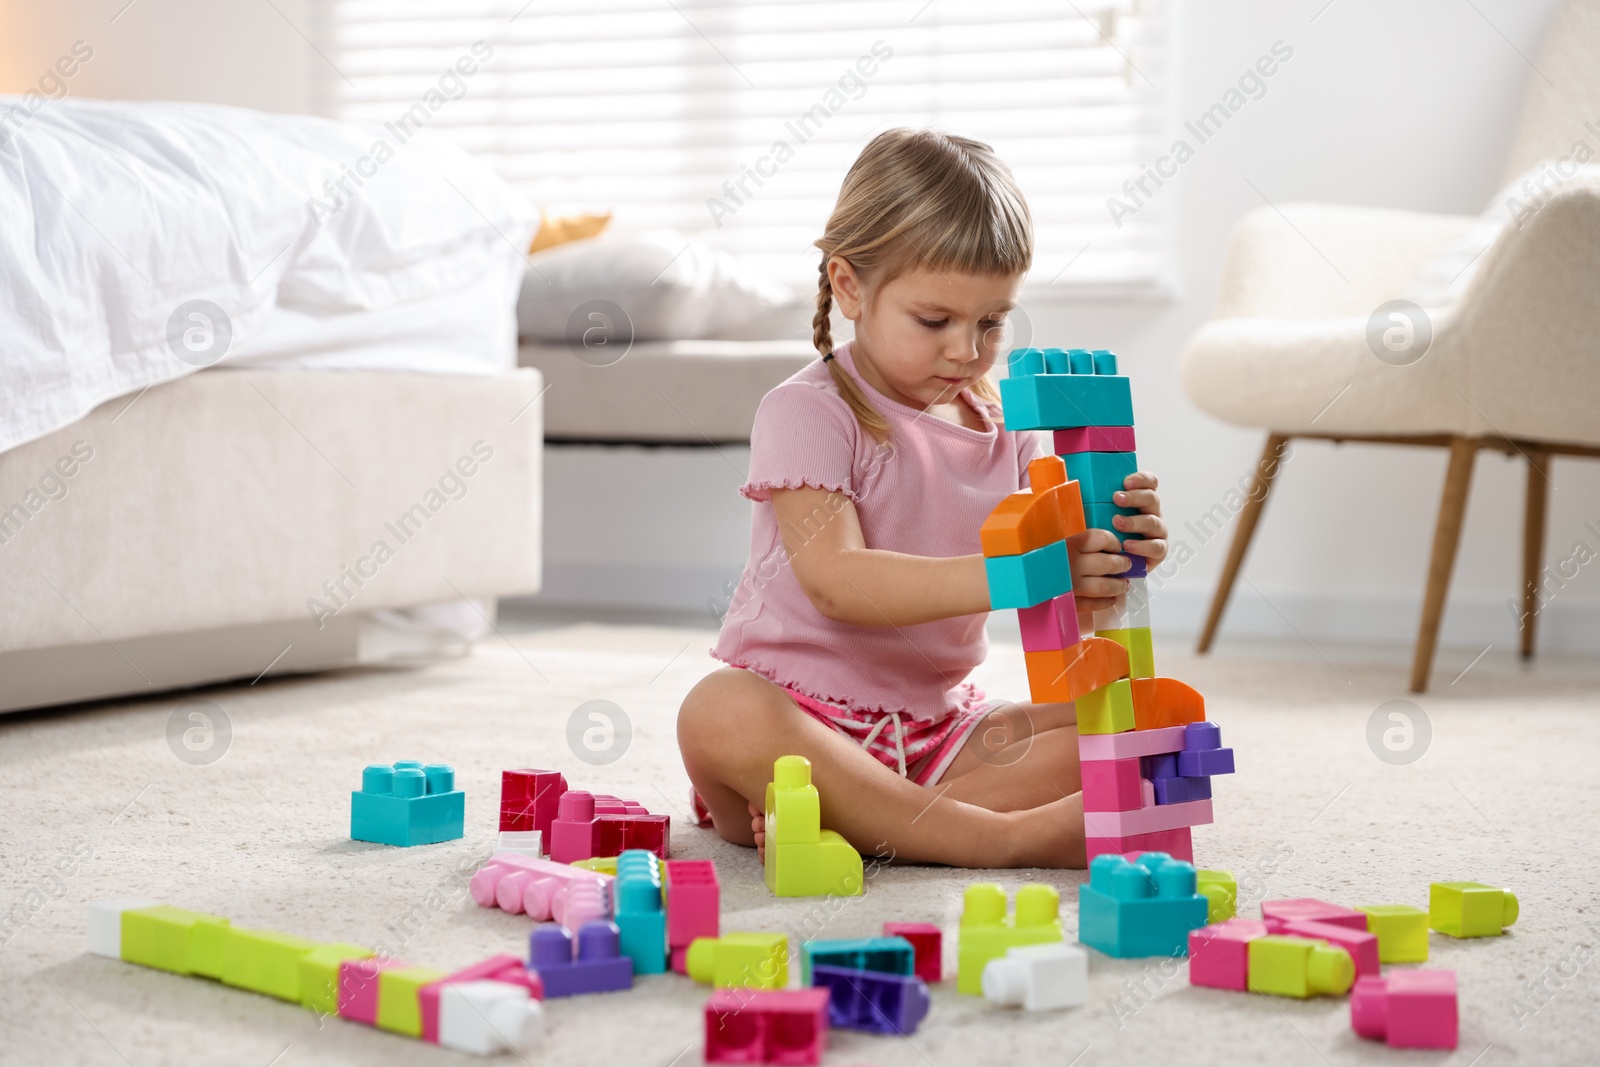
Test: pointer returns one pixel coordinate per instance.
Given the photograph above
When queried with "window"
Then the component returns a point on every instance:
(735, 120)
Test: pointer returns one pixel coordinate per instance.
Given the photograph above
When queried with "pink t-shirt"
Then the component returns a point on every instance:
(925, 492)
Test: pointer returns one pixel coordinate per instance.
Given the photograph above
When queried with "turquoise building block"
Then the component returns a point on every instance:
(639, 913)
(407, 804)
(1029, 579)
(1057, 361)
(1080, 361)
(1145, 908)
(1022, 362)
(1065, 401)
(1105, 361)
(1099, 474)
(1097, 516)
(885, 955)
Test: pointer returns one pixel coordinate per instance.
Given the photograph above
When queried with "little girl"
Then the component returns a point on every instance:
(861, 609)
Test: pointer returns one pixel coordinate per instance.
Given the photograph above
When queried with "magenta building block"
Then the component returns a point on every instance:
(783, 1026)
(1311, 910)
(927, 947)
(528, 799)
(1049, 626)
(598, 966)
(693, 901)
(1219, 955)
(1112, 785)
(504, 968)
(572, 832)
(358, 987)
(1094, 439)
(1362, 946)
(1130, 743)
(1408, 1009)
(1176, 843)
(616, 834)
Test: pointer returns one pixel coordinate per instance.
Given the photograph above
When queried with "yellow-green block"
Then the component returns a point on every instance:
(740, 961)
(1141, 655)
(264, 962)
(319, 975)
(1107, 710)
(166, 938)
(1299, 967)
(987, 933)
(206, 940)
(1221, 892)
(1470, 909)
(1401, 930)
(599, 865)
(399, 1009)
(802, 859)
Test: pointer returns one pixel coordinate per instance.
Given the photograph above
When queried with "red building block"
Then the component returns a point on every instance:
(1179, 844)
(784, 1026)
(693, 902)
(1362, 946)
(1311, 910)
(927, 945)
(615, 834)
(528, 799)
(1219, 955)
(1408, 1009)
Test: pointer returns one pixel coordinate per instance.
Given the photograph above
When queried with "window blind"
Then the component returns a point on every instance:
(734, 121)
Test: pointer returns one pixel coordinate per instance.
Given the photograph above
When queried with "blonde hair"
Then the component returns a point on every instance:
(920, 195)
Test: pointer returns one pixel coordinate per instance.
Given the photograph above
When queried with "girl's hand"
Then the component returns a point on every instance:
(1096, 557)
(1140, 492)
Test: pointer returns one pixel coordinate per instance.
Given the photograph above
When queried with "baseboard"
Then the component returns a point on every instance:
(1563, 627)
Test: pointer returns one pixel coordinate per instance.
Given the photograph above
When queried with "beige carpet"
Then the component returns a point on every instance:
(96, 804)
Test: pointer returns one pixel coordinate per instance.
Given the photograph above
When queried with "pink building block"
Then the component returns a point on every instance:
(1130, 743)
(1219, 955)
(927, 944)
(1362, 946)
(693, 901)
(1311, 910)
(572, 832)
(1150, 820)
(1177, 843)
(606, 804)
(580, 831)
(507, 968)
(358, 987)
(1408, 1009)
(520, 884)
(1094, 439)
(787, 1026)
(1049, 626)
(1112, 785)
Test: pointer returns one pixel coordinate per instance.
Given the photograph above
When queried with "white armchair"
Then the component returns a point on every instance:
(1514, 361)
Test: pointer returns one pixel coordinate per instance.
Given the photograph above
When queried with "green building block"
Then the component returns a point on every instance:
(740, 961)
(173, 939)
(1299, 967)
(399, 1007)
(1470, 909)
(802, 859)
(988, 933)
(264, 962)
(1401, 930)
(319, 975)
(1222, 891)
(1141, 653)
(1107, 710)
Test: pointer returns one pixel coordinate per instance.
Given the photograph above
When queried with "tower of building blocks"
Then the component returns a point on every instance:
(802, 859)
(407, 804)
(1407, 1009)
(1142, 908)
(740, 961)
(927, 945)
(1039, 977)
(1402, 932)
(988, 933)
(785, 1026)
(1470, 909)
(1146, 752)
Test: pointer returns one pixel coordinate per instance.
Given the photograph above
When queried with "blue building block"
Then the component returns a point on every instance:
(885, 955)
(872, 1001)
(640, 918)
(407, 804)
(1144, 908)
(1099, 474)
(1064, 401)
(598, 966)
(1029, 579)
(1138, 566)
(1022, 362)
(1105, 361)
(1057, 361)
(1097, 516)
(1203, 753)
(1080, 361)
(1181, 790)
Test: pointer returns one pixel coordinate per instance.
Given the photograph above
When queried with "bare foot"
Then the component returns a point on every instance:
(758, 826)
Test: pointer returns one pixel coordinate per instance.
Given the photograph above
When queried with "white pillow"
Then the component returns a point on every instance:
(666, 286)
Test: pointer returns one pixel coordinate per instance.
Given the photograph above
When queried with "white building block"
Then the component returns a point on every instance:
(1039, 977)
(105, 924)
(489, 1017)
(519, 842)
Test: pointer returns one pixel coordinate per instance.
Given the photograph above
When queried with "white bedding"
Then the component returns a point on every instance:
(118, 215)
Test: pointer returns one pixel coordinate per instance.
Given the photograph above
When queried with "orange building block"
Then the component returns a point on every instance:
(1060, 675)
(1069, 501)
(1159, 702)
(1046, 472)
(1021, 523)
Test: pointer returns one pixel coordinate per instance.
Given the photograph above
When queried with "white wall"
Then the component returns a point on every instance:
(1408, 106)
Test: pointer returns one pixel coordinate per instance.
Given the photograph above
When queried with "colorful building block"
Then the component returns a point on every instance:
(1111, 785)
(1066, 675)
(1219, 954)
(528, 843)
(802, 859)
(1063, 401)
(693, 904)
(1021, 523)
(1021, 581)
(597, 864)
(1221, 891)
(1046, 472)
(1470, 909)
(886, 955)
(586, 826)
(740, 961)
(594, 965)
(1299, 967)
(1147, 820)
(1141, 653)
(1137, 743)
(786, 1026)
(1402, 932)
(1176, 843)
(358, 987)
(504, 969)
(1049, 626)
(618, 833)
(927, 946)
(1311, 910)
(1093, 439)
(1162, 702)
(1107, 710)
(319, 975)
(488, 1017)
(105, 924)
(407, 804)
(987, 932)
(1100, 474)
(529, 798)
(1098, 516)
(1407, 1009)
(1039, 977)
(1202, 753)
(1141, 908)
(1362, 946)
(399, 1009)
(640, 917)
(264, 961)
(524, 885)
(873, 1001)
(1138, 566)
(1180, 790)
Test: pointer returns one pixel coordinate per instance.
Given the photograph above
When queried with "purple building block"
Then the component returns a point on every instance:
(1181, 790)
(1138, 568)
(1202, 754)
(871, 1001)
(598, 967)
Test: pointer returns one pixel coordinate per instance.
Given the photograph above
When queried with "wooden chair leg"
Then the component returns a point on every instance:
(1260, 486)
(1533, 520)
(1446, 536)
